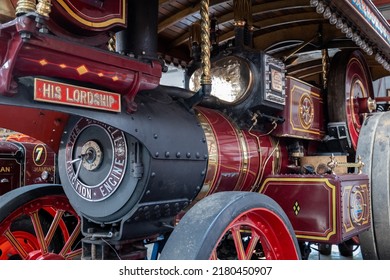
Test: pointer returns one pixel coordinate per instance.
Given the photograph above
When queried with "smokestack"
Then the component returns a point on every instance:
(140, 37)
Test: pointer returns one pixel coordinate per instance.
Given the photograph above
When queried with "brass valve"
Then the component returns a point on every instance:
(334, 163)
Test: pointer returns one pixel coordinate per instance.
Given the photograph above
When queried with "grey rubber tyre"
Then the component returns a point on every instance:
(374, 148)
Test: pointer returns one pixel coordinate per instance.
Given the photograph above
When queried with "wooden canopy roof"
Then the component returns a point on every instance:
(293, 30)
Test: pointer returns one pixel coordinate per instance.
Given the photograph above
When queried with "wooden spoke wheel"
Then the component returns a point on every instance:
(233, 225)
(37, 222)
(374, 148)
(349, 80)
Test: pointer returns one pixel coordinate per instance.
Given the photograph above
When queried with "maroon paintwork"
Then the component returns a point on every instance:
(85, 18)
(47, 55)
(89, 15)
(235, 162)
(328, 209)
(10, 168)
(303, 114)
(22, 161)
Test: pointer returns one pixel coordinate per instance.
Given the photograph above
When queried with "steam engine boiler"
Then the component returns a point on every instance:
(133, 180)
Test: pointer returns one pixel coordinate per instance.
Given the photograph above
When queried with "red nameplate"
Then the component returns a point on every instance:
(60, 93)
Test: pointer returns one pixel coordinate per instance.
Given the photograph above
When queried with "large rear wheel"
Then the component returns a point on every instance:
(37, 222)
(349, 81)
(233, 225)
(374, 148)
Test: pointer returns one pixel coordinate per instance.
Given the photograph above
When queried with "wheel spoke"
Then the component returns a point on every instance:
(236, 234)
(39, 232)
(72, 239)
(54, 226)
(73, 254)
(252, 245)
(40, 228)
(16, 244)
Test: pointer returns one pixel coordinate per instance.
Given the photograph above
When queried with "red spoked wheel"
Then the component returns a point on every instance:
(40, 224)
(233, 225)
(349, 81)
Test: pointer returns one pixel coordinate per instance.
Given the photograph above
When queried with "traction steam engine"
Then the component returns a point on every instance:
(247, 164)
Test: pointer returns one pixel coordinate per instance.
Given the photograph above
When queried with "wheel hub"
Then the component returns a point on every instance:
(37, 255)
(92, 155)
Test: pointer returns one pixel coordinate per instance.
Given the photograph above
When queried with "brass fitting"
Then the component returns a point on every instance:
(44, 7)
(334, 163)
(24, 7)
(205, 45)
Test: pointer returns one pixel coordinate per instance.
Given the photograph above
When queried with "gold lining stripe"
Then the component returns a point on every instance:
(312, 95)
(213, 158)
(244, 163)
(367, 208)
(106, 23)
(243, 152)
(348, 190)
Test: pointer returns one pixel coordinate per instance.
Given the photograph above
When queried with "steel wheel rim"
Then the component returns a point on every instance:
(38, 242)
(266, 229)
